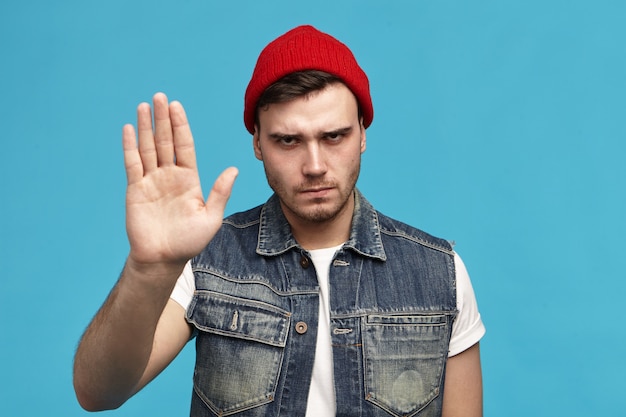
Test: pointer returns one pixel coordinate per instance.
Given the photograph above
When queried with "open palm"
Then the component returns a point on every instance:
(167, 218)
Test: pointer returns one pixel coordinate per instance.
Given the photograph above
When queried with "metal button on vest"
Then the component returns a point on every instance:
(304, 262)
(301, 327)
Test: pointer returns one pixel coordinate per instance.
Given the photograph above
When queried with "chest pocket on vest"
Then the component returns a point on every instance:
(404, 358)
(240, 345)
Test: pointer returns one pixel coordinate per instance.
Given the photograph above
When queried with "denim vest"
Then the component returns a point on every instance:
(255, 313)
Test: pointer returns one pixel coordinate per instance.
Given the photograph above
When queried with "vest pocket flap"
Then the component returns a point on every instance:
(239, 317)
(434, 319)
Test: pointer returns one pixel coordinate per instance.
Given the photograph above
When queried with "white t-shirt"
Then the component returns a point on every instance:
(467, 329)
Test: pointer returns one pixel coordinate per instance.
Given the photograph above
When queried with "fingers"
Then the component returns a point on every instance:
(163, 138)
(220, 193)
(147, 150)
(132, 159)
(155, 144)
(170, 140)
(183, 139)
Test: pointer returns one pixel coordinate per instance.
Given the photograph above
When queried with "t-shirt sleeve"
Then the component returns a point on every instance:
(468, 327)
(184, 288)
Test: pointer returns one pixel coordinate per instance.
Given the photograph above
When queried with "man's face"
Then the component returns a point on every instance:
(311, 149)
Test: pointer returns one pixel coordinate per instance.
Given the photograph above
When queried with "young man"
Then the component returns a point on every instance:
(312, 304)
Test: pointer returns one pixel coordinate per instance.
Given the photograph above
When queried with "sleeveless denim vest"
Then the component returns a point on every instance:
(255, 313)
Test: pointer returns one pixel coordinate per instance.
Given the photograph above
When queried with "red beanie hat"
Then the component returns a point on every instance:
(306, 48)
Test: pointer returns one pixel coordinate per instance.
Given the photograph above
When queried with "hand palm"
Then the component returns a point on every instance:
(167, 218)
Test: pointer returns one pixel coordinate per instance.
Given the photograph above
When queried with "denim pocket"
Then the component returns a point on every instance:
(240, 345)
(404, 357)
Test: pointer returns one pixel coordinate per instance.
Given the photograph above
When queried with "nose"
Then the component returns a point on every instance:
(314, 164)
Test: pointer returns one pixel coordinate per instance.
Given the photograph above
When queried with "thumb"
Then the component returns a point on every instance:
(220, 193)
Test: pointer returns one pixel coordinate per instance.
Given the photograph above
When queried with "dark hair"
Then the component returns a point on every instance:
(294, 85)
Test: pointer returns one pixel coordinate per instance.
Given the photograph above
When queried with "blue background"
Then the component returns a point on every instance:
(498, 124)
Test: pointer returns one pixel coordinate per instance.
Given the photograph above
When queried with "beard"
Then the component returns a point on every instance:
(316, 210)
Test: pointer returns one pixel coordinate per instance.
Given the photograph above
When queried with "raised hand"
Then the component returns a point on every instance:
(139, 330)
(167, 219)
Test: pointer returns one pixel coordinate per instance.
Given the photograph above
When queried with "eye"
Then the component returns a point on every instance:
(337, 135)
(334, 136)
(287, 140)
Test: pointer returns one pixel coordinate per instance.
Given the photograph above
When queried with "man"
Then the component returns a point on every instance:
(311, 304)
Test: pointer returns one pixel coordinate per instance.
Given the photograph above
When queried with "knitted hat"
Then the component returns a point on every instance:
(306, 48)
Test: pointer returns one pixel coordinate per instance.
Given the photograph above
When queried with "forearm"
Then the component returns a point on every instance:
(115, 349)
(463, 391)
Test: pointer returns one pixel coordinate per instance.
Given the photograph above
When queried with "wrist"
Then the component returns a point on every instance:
(153, 274)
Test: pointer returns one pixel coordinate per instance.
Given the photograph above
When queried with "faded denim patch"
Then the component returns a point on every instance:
(404, 357)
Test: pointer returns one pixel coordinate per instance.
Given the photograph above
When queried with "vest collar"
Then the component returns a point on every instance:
(275, 235)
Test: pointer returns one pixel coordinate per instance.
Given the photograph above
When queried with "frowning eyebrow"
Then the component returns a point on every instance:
(283, 136)
(335, 132)
(338, 132)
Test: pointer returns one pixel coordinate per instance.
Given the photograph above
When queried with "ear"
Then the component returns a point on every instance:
(363, 136)
(256, 144)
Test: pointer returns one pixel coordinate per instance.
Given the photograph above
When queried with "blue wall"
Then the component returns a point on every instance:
(498, 124)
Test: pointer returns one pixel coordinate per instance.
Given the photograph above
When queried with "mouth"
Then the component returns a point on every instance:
(317, 192)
